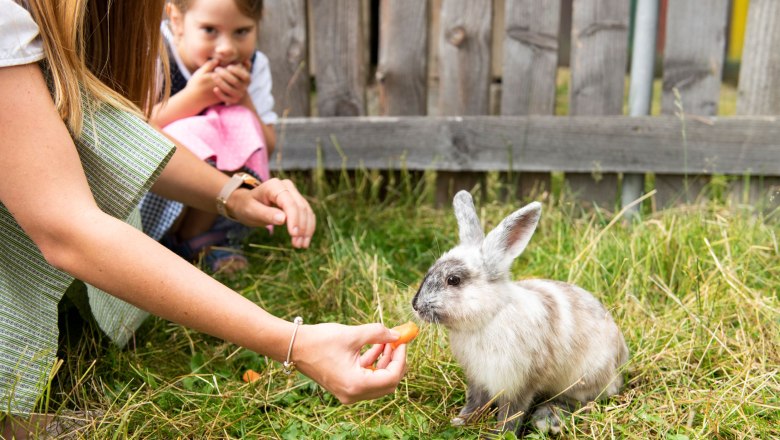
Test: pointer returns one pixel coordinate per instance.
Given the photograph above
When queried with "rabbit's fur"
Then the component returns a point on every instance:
(519, 342)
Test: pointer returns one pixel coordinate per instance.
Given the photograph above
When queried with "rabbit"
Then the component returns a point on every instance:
(519, 342)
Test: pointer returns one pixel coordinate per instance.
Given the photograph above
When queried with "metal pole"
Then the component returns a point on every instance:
(640, 93)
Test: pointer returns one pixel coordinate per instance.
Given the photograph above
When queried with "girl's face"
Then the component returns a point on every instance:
(212, 29)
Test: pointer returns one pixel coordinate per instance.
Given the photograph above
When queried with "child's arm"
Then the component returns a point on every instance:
(199, 93)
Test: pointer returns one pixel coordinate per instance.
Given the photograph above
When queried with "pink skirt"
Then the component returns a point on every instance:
(231, 136)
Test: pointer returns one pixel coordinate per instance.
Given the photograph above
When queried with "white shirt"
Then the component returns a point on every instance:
(259, 83)
(19, 39)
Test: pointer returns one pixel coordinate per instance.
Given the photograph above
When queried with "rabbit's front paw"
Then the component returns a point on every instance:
(547, 419)
(458, 421)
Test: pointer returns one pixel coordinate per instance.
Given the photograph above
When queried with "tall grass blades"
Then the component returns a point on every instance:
(696, 291)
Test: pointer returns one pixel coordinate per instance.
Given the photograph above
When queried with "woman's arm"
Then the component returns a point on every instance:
(195, 183)
(45, 189)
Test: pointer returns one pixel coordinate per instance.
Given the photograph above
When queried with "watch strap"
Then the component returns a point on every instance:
(236, 181)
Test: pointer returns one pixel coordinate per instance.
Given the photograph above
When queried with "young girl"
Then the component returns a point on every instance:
(75, 77)
(220, 108)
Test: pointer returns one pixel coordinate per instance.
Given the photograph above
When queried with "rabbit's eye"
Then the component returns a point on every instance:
(453, 280)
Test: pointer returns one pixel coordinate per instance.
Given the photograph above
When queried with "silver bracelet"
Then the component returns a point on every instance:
(288, 366)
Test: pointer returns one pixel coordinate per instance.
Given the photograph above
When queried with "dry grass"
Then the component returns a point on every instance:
(695, 290)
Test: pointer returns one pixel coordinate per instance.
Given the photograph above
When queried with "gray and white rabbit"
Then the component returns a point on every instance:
(520, 342)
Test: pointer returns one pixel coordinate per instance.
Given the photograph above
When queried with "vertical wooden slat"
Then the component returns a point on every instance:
(759, 77)
(599, 54)
(464, 57)
(434, 29)
(598, 57)
(497, 36)
(693, 65)
(693, 55)
(402, 73)
(402, 66)
(759, 88)
(464, 76)
(530, 57)
(530, 66)
(283, 39)
(340, 57)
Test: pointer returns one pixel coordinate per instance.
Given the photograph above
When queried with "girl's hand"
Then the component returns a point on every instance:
(200, 87)
(330, 354)
(231, 83)
(275, 202)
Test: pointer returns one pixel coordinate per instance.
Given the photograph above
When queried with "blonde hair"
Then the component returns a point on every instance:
(109, 49)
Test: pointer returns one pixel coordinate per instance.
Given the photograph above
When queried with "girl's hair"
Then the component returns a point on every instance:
(250, 8)
(107, 48)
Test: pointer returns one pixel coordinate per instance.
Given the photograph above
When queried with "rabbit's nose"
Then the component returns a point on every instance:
(417, 297)
(419, 289)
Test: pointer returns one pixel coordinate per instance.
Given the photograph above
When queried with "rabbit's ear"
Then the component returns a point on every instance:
(508, 240)
(470, 230)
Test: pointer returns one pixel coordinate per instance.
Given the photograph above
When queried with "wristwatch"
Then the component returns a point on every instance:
(238, 180)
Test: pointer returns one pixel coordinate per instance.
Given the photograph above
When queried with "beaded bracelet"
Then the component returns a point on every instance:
(288, 365)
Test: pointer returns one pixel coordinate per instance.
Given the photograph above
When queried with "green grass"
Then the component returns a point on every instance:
(695, 289)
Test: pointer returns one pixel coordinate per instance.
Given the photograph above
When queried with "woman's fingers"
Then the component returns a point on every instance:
(301, 221)
(390, 364)
(381, 351)
(330, 354)
(385, 378)
(276, 202)
(371, 355)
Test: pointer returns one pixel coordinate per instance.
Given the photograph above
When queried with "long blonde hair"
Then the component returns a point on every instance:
(107, 48)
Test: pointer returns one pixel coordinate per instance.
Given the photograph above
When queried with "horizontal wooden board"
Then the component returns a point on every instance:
(728, 145)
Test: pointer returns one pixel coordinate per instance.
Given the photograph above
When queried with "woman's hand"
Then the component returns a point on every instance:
(330, 354)
(275, 202)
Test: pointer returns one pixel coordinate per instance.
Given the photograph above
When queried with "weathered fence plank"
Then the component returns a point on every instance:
(340, 57)
(402, 73)
(693, 56)
(464, 57)
(759, 77)
(537, 143)
(598, 66)
(531, 63)
(599, 57)
(693, 66)
(283, 39)
(464, 74)
(530, 57)
(759, 87)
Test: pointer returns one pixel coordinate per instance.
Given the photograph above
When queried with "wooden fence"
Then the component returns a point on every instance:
(464, 86)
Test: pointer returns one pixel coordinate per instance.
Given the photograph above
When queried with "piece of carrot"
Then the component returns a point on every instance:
(408, 331)
(250, 376)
